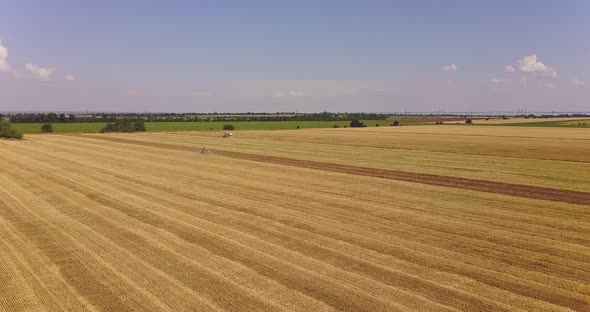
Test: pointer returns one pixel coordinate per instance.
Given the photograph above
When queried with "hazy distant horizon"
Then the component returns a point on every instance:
(302, 56)
(488, 113)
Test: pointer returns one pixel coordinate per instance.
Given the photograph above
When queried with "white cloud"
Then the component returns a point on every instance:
(39, 72)
(4, 67)
(531, 64)
(579, 83)
(450, 68)
(509, 69)
(69, 77)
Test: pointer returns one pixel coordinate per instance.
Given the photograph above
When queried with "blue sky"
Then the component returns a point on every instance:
(295, 55)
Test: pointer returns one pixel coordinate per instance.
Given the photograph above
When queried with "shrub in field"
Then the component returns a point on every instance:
(298, 127)
(47, 127)
(355, 123)
(6, 131)
(376, 125)
(395, 123)
(228, 127)
(336, 126)
(468, 121)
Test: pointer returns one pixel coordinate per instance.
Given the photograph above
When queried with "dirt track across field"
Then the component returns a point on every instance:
(526, 191)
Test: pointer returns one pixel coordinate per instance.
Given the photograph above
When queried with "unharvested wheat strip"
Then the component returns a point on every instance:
(444, 144)
(304, 155)
(77, 272)
(112, 232)
(465, 183)
(371, 304)
(554, 174)
(231, 303)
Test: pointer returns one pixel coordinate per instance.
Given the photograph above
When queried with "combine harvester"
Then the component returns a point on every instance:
(227, 134)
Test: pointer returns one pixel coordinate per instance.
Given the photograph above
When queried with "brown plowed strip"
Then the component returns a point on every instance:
(528, 191)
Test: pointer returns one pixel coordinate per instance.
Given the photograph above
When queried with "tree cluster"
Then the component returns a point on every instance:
(6, 131)
(124, 125)
(47, 127)
(355, 123)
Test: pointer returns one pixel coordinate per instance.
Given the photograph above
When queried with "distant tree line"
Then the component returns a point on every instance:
(172, 117)
(221, 117)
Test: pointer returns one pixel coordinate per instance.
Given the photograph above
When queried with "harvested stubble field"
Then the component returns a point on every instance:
(403, 218)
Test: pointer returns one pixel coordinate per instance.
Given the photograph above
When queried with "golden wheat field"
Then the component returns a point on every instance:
(416, 218)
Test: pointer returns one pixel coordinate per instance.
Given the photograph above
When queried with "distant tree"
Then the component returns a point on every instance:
(228, 127)
(355, 123)
(376, 125)
(468, 121)
(109, 127)
(298, 127)
(47, 127)
(6, 131)
(395, 123)
(335, 126)
(140, 124)
(120, 125)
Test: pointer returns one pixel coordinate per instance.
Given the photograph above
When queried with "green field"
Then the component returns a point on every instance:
(186, 126)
